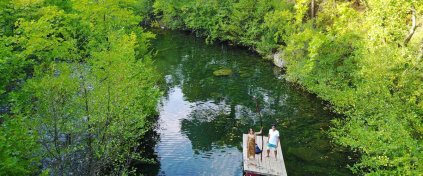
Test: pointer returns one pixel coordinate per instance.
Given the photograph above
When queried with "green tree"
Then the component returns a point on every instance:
(87, 87)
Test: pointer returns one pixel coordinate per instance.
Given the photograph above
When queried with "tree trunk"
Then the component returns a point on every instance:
(89, 140)
(413, 27)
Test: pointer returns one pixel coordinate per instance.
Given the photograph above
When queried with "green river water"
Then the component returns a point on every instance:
(202, 116)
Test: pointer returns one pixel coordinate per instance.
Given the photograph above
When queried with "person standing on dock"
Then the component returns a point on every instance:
(252, 143)
(273, 142)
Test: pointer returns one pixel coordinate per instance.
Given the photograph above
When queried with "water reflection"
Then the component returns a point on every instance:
(202, 116)
(186, 147)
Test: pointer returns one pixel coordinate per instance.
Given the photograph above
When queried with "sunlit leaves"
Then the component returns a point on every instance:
(50, 37)
(25, 3)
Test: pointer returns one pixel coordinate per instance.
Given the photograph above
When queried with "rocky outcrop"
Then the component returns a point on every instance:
(278, 60)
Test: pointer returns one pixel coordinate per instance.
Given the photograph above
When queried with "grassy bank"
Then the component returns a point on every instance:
(364, 57)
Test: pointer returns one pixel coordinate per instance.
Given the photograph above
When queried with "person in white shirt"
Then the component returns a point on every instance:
(273, 142)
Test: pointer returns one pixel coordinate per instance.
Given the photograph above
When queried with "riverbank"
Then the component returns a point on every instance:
(359, 71)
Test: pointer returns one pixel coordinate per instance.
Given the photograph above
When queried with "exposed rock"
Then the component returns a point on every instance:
(223, 72)
(278, 60)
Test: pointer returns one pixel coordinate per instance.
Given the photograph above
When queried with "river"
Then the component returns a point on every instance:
(202, 116)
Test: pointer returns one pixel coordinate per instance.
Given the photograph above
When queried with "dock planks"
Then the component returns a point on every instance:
(269, 165)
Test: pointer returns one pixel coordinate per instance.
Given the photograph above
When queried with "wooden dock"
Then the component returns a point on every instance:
(269, 165)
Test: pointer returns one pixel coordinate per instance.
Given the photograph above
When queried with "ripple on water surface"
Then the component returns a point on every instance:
(175, 151)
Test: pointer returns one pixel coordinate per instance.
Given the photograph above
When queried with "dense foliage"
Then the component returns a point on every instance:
(364, 57)
(77, 86)
(75, 74)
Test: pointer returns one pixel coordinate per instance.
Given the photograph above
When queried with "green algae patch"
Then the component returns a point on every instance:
(223, 72)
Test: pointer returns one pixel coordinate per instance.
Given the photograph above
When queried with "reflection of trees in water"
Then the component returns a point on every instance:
(210, 124)
(220, 124)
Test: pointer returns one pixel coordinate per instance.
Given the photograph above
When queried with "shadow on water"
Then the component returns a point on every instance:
(202, 116)
(146, 147)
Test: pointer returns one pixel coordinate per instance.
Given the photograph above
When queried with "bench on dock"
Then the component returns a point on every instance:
(267, 166)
